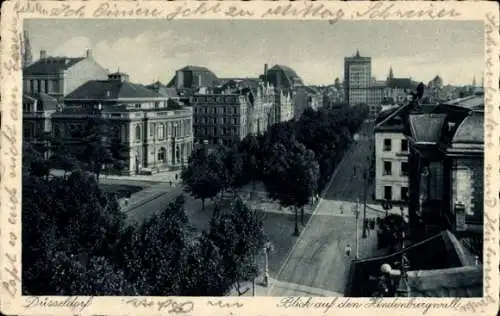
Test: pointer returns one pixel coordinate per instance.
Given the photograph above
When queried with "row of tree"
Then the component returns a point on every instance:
(76, 242)
(293, 159)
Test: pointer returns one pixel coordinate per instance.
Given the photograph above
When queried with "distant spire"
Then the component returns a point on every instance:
(27, 57)
(482, 81)
(357, 53)
(391, 74)
(474, 81)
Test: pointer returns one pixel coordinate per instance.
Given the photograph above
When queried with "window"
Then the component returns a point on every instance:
(404, 193)
(138, 106)
(162, 155)
(388, 192)
(404, 169)
(387, 144)
(152, 129)
(404, 145)
(387, 168)
(161, 131)
(137, 133)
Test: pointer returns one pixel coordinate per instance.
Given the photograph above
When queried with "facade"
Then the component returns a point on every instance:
(391, 157)
(283, 106)
(157, 136)
(220, 118)
(37, 117)
(357, 78)
(306, 97)
(446, 178)
(59, 76)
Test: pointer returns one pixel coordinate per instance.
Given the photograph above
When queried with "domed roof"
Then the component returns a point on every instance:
(471, 130)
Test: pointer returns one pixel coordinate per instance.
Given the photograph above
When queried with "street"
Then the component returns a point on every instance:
(318, 259)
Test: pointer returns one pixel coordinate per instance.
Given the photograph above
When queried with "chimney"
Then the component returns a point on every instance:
(43, 54)
(265, 72)
(88, 53)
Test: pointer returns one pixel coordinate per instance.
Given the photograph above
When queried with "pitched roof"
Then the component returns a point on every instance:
(427, 128)
(401, 83)
(195, 68)
(452, 282)
(44, 101)
(51, 65)
(111, 89)
(471, 130)
(473, 102)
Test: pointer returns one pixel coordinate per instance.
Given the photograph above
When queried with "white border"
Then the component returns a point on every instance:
(10, 141)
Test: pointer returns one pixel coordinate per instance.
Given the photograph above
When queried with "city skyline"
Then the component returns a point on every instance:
(443, 48)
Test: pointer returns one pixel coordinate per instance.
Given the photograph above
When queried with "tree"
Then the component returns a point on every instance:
(239, 236)
(292, 177)
(205, 175)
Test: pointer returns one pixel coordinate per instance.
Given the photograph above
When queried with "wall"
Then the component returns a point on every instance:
(396, 157)
(82, 72)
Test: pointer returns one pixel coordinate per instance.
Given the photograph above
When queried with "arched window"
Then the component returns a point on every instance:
(138, 133)
(161, 131)
(162, 155)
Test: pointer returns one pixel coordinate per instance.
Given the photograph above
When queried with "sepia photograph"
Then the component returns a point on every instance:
(252, 158)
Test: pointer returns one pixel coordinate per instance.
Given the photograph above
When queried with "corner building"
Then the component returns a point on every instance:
(156, 132)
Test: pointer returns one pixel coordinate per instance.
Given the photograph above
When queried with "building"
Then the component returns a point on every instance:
(397, 89)
(306, 97)
(447, 159)
(282, 77)
(37, 117)
(220, 118)
(391, 157)
(59, 76)
(192, 78)
(357, 78)
(375, 96)
(156, 135)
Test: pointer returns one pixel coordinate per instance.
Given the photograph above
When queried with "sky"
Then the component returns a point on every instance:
(150, 50)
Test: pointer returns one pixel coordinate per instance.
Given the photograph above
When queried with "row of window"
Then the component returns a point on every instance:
(388, 193)
(175, 129)
(215, 131)
(402, 172)
(39, 85)
(216, 110)
(388, 145)
(214, 99)
(219, 120)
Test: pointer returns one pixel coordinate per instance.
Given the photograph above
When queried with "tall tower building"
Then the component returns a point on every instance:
(27, 57)
(357, 78)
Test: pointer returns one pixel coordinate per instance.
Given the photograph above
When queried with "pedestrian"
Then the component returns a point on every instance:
(348, 250)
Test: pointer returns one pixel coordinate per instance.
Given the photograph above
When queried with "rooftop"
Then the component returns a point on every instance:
(427, 128)
(473, 102)
(44, 101)
(402, 83)
(51, 65)
(111, 89)
(471, 130)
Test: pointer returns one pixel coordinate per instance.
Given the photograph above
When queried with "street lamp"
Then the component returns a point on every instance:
(355, 210)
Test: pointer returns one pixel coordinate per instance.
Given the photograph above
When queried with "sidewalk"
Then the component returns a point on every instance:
(166, 176)
(146, 195)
